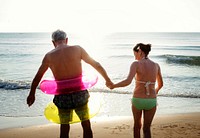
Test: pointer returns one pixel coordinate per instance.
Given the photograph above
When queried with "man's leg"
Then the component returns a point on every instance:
(64, 130)
(87, 131)
(65, 117)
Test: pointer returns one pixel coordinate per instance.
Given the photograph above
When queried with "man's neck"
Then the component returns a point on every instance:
(61, 43)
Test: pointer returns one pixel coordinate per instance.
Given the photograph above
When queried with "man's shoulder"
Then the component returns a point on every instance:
(68, 48)
(75, 46)
(49, 53)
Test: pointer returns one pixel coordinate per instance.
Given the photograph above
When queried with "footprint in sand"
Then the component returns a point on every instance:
(117, 129)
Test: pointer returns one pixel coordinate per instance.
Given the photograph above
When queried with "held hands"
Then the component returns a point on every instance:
(110, 85)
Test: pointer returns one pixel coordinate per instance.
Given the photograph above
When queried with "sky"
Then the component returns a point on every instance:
(100, 16)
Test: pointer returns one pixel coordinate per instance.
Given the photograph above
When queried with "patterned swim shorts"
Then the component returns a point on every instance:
(71, 100)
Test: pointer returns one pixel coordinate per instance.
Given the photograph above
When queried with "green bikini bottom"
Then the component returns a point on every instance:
(144, 103)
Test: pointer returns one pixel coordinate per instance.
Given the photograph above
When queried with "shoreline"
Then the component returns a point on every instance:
(166, 106)
(171, 125)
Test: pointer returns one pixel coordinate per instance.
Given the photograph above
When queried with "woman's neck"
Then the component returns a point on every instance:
(143, 57)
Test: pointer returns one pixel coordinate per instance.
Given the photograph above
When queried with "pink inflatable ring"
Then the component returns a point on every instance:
(51, 86)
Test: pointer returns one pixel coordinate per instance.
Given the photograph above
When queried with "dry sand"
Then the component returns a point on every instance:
(164, 126)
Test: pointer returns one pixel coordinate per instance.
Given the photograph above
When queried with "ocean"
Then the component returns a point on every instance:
(177, 53)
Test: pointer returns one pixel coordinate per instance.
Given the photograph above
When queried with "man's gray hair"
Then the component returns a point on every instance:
(58, 35)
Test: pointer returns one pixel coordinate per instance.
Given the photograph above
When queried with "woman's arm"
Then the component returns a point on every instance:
(129, 78)
(159, 80)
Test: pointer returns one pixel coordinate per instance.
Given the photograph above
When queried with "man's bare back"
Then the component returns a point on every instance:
(65, 61)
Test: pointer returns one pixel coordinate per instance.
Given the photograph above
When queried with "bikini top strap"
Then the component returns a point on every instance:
(145, 82)
(146, 85)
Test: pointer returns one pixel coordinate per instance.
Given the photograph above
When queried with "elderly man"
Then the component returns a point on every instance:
(65, 62)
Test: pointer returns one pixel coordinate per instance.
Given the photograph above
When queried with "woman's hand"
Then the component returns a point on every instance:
(110, 85)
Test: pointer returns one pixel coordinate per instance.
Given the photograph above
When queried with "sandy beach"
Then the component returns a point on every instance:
(163, 126)
(179, 62)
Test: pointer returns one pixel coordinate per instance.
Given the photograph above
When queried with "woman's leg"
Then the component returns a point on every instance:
(148, 117)
(137, 114)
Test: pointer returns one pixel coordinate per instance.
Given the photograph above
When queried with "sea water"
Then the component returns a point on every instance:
(178, 55)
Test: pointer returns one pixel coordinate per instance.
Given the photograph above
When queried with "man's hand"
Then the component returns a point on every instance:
(110, 84)
(30, 99)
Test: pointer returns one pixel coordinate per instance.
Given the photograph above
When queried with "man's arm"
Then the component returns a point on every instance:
(42, 69)
(85, 57)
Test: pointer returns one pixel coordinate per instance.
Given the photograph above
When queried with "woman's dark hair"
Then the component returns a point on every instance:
(146, 48)
(136, 48)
